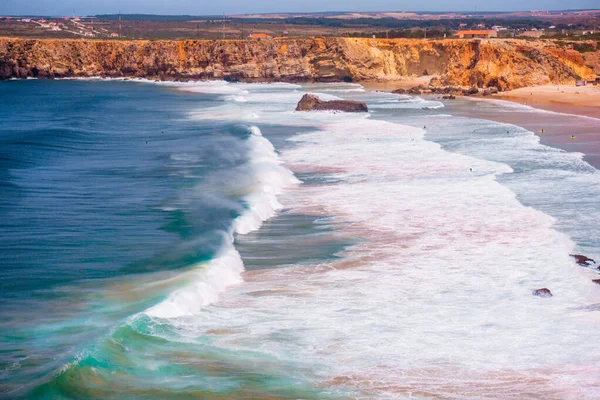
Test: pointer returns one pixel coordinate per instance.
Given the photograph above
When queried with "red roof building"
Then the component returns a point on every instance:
(476, 34)
(259, 36)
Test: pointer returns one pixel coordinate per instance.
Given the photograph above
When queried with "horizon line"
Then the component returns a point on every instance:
(306, 13)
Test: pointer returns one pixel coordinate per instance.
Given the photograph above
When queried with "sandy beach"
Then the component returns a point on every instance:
(562, 128)
(565, 127)
(584, 100)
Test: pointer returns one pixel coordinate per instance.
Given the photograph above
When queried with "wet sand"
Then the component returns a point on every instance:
(584, 100)
(567, 117)
(559, 127)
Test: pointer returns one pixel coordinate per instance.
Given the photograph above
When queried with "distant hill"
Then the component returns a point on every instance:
(345, 15)
(153, 17)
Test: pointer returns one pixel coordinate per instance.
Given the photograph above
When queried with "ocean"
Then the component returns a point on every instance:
(204, 240)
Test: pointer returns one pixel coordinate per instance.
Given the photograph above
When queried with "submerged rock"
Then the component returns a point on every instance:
(450, 90)
(583, 260)
(596, 281)
(310, 102)
(415, 90)
(490, 91)
(449, 97)
(399, 91)
(543, 292)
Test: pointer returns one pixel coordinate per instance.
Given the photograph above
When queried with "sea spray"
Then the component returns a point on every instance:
(433, 298)
(268, 180)
(209, 280)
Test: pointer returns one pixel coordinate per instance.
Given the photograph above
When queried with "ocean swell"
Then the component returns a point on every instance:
(268, 180)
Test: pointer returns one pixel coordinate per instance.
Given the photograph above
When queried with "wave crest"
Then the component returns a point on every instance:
(269, 179)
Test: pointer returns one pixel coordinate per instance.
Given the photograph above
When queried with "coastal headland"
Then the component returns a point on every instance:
(503, 64)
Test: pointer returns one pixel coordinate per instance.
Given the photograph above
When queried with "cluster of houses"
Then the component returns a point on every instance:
(76, 26)
(528, 33)
(72, 25)
(463, 34)
(43, 23)
(483, 33)
(259, 36)
(479, 33)
(490, 33)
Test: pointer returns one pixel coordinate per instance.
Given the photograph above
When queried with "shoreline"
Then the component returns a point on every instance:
(570, 127)
(582, 103)
(576, 112)
(583, 100)
(564, 99)
(556, 125)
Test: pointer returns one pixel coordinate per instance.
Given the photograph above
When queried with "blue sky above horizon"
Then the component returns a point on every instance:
(203, 7)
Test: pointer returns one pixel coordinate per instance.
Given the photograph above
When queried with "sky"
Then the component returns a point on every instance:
(211, 7)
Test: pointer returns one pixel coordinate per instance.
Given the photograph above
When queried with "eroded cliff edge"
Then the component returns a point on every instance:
(506, 64)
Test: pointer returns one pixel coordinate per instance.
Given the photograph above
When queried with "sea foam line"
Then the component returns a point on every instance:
(507, 104)
(211, 279)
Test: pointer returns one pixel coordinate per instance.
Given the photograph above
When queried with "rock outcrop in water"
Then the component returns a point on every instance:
(310, 102)
(504, 64)
(543, 292)
(583, 260)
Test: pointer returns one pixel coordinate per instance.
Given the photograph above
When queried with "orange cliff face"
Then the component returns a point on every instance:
(506, 64)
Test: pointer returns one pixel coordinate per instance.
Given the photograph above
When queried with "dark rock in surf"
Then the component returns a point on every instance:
(471, 92)
(399, 91)
(596, 281)
(543, 292)
(449, 97)
(490, 91)
(583, 260)
(415, 90)
(310, 102)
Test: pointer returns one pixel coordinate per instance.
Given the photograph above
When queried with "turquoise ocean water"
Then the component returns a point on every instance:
(203, 240)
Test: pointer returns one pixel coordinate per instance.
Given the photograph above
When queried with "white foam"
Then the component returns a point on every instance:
(255, 131)
(268, 107)
(208, 281)
(509, 106)
(213, 87)
(437, 296)
(451, 257)
(239, 99)
(435, 299)
(268, 180)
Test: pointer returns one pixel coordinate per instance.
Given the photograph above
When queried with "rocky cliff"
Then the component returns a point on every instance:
(505, 64)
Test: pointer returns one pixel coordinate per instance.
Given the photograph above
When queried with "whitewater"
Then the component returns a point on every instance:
(390, 254)
(435, 299)
(267, 179)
